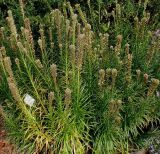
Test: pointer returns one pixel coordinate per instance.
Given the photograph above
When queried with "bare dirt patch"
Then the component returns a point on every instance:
(5, 146)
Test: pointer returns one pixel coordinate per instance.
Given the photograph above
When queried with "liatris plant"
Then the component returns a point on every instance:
(69, 92)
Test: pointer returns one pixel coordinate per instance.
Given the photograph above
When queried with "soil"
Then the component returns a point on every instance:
(5, 146)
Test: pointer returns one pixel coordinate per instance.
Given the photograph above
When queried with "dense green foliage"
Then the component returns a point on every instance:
(94, 75)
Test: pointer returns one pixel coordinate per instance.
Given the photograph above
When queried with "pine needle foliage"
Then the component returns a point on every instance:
(92, 92)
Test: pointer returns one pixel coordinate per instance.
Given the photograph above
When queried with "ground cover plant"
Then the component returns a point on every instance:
(77, 90)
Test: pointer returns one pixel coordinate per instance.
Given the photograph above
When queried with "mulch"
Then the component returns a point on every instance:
(5, 146)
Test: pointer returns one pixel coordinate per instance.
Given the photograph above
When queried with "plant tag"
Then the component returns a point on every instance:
(158, 94)
(29, 100)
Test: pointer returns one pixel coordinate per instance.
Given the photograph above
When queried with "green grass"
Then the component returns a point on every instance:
(92, 90)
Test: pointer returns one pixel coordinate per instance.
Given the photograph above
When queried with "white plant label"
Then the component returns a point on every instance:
(158, 94)
(29, 100)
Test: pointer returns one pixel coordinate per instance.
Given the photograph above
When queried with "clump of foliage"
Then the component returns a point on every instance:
(92, 92)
